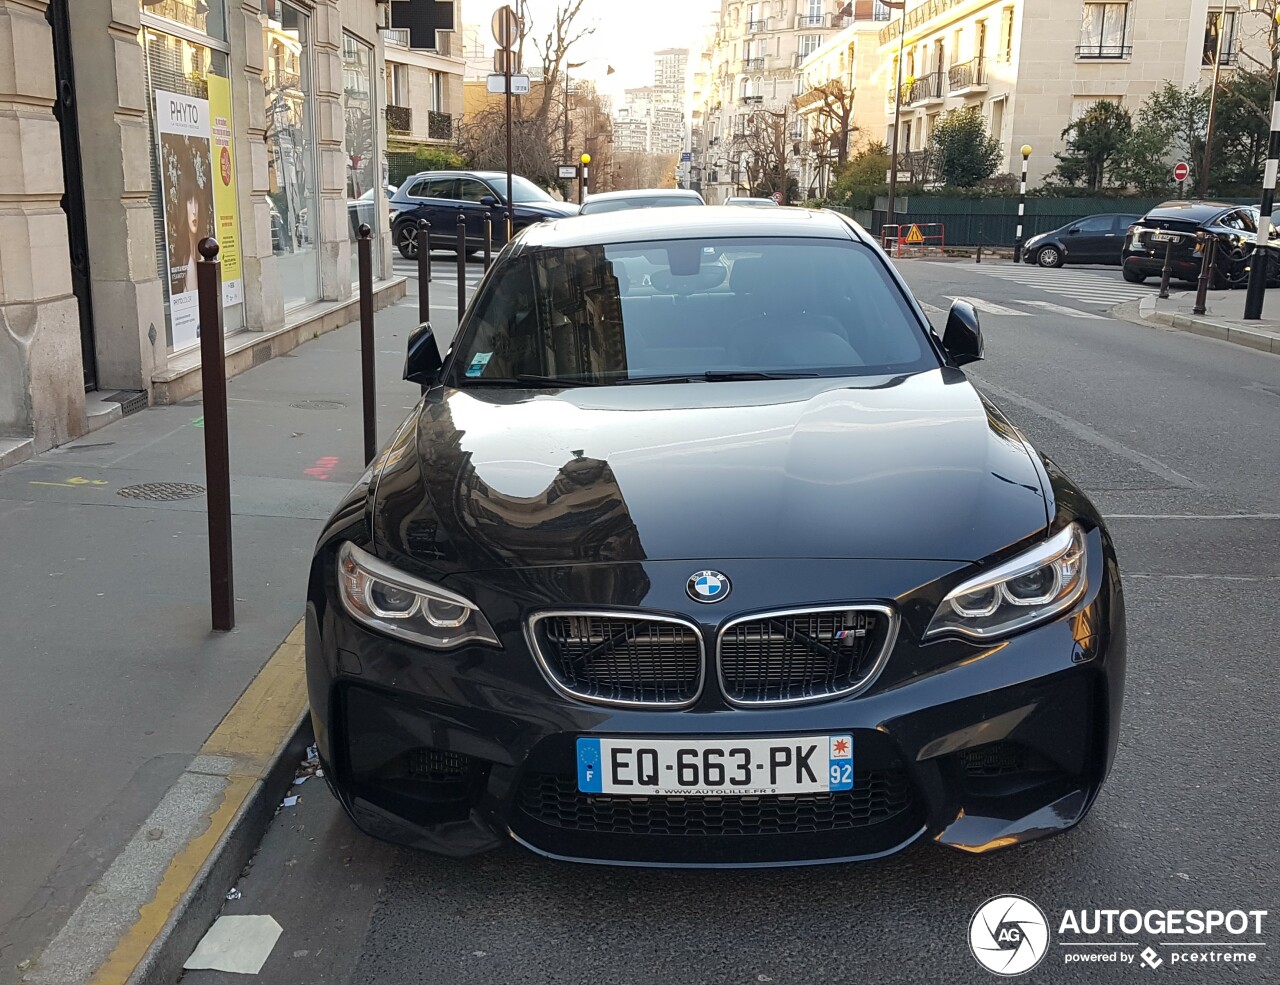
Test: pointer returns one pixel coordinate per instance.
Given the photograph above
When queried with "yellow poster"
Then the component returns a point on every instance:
(225, 203)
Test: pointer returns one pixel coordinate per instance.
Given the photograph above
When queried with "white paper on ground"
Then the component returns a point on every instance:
(239, 944)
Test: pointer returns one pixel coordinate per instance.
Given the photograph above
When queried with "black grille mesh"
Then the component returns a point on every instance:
(615, 658)
(800, 656)
(876, 796)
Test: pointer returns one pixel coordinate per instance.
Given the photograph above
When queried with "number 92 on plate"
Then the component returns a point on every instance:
(722, 767)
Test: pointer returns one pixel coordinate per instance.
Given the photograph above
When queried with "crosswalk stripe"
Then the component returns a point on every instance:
(1060, 309)
(990, 307)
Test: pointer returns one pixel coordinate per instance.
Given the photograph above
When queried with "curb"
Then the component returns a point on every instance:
(144, 916)
(1208, 328)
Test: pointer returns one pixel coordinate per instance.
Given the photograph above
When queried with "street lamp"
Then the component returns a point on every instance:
(1022, 204)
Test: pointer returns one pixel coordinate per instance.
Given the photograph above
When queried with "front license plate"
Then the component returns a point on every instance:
(716, 767)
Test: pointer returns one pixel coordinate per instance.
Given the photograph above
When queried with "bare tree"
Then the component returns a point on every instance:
(762, 150)
(833, 118)
(638, 169)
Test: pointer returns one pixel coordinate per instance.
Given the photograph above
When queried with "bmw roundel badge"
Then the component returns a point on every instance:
(707, 586)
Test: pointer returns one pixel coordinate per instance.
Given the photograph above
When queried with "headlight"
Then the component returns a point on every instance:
(1046, 580)
(382, 598)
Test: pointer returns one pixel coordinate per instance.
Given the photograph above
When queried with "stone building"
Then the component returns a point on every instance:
(130, 129)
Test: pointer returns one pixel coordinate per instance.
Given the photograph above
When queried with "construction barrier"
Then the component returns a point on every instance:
(914, 239)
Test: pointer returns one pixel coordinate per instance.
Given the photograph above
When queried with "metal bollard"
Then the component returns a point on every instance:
(217, 460)
(424, 271)
(364, 250)
(506, 226)
(462, 266)
(1206, 269)
(1164, 274)
(488, 240)
(979, 260)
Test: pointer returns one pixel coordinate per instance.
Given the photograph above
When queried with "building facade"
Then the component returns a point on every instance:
(131, 129)
(425, 72)
(753, 72)
(1031, 67)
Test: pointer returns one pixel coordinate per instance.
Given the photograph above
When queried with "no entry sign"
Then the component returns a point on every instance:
(1180, 171)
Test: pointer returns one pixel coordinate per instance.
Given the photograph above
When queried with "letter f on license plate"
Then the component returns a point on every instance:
(724, 767)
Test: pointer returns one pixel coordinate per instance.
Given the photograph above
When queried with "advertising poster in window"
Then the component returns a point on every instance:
(225, 204)
(186, 176)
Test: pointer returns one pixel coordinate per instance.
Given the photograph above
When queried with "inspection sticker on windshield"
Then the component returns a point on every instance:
(724, 767)
(478, 363)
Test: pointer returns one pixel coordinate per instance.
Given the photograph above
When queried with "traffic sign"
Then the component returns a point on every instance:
(777, 197)
(914, 235)
(1180, 171)
(497, 84)
(686, 156)
(506, 27)
(567, 171)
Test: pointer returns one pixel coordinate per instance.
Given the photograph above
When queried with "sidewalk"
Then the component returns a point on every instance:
(113, 679)
(1223, 318)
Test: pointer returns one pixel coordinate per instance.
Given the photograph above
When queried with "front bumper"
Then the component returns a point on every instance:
(458, 752)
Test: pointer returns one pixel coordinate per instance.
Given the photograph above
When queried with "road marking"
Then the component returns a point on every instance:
(1061, 309)
(1191, 516)
(1087, 288)
(75, 482)
(990, 307)
(1088, 434)
(931, 309)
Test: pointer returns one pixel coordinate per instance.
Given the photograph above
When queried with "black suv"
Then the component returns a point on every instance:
(438, 197)
(1234, 226)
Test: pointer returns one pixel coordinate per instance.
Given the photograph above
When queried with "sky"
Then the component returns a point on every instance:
(627, 33)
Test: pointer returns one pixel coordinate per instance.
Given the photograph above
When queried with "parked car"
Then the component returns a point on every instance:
(438, 197)
(639, 198)
(746, 573)
(1093, 239)
(361, 210)
(1178, 223)
(747, 200)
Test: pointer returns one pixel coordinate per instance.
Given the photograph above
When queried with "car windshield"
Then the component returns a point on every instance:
(522, 189)
(639, 202)
(696, 310)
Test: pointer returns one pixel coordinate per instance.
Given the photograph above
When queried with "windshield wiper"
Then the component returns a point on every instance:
(719, 376)
(523, 381)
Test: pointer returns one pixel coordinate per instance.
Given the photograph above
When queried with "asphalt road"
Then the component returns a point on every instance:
(1174, 437)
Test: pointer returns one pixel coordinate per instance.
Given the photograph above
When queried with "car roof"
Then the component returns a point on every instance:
(643, 193)
(640, 225)
(1192, 210)
(459, 173)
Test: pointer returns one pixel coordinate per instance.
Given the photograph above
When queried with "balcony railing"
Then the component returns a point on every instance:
(1104, 50)
(755, 27)
(439, 126)
(752, 100)
(968, 74)
(929, 86)
(813, 20)
(753, 64)
(399, 119)
(397, 36)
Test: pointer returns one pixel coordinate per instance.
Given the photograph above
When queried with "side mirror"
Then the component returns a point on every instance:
(422, 364)
(489, 201)
(963, 337)
(1073, 231)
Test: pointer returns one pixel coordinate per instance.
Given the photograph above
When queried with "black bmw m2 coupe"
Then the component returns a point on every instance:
(701, 549)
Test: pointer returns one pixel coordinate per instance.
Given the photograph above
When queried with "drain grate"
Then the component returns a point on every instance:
(161, 492)
(130, 401)
(319, 405)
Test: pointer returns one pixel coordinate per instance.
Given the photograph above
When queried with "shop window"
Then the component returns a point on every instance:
(209, 17)
(291, 153)
(360, 109)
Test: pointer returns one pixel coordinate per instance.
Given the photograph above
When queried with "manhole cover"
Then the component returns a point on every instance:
(319, 405)
(163, 492)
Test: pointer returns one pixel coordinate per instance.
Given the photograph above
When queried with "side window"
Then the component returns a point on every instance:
(1095, 224)
(442, 188)
(418, 189)
(471, 190)
(1231, 220)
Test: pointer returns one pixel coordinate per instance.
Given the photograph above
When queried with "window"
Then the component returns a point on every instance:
(1216, 39)
(206, 16)
(360, 109)
(397, 84)
(809, 43)
(471, 190)
(1095, 225)
(1006, 34)
(997, 119)
(813, 14)
(880, 12)
(980, 46)
(1082, 104)
(1104, 31)
(436, 97)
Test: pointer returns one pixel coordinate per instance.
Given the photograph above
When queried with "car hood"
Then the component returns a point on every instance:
(917, 467)
(556, 210)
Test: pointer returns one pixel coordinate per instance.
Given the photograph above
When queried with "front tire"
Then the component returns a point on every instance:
(407, 242)
(1049, 256)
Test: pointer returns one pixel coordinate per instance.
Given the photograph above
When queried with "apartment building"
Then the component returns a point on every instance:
(842, 96)
(425, 72)
(754, 68)
(1033, 66)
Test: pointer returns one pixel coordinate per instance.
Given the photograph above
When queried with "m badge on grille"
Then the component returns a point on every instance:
(707, 586)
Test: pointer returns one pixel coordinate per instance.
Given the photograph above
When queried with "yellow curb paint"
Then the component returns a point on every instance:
(133, 946)
(250, 734)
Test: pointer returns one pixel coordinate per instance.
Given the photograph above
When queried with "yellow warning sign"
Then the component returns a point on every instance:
(915, 235)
